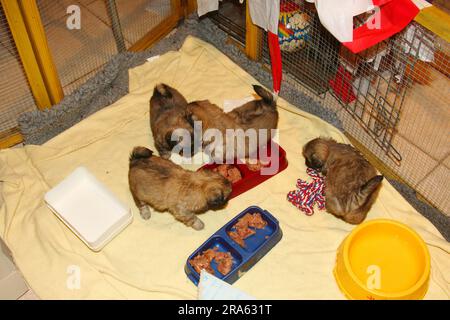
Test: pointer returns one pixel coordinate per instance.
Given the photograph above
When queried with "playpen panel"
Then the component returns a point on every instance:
(62, 43)
(80, 42)
(393, 98)
(15, 93)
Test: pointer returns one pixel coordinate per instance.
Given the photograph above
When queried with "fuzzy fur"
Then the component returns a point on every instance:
(352, 183)
(165, 186)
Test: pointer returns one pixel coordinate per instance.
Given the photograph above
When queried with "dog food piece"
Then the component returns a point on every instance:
(229, 172)
(243, 226)
(256, 221)
(203, 261)
(224, 262)
(236, 238)
(256, 166)
(245, 232)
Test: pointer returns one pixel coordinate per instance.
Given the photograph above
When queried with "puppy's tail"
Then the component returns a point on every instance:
(139, 153)
(265, 95)
(162, 90)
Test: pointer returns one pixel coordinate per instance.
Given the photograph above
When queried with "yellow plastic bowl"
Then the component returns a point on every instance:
(383, 259)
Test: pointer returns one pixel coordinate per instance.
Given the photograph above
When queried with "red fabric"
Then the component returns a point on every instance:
(342, 85)
(275, 57)
(395, 15)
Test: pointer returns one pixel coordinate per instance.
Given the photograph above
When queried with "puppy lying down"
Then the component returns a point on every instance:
(165, 186)
(352, 183)
(260, 115)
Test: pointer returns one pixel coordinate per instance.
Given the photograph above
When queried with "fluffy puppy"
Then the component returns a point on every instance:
(259, 114)
(212, 117)
(165, 186)
(168, 113)
(352, 183)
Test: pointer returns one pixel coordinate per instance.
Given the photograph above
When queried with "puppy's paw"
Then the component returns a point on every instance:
(198, 224)
(145, 212)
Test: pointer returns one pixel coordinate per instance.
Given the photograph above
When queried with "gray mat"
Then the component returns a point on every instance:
(111, 83)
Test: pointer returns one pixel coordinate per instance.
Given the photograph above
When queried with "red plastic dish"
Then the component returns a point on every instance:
(251, 179)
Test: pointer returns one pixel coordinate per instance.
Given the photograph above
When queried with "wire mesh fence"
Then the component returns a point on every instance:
(78, 51)
(82, 37)
(393, 98)
(15, 94)
(231, 18)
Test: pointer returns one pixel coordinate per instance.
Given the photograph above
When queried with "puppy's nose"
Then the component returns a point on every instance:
(217, 202)
(308, 163)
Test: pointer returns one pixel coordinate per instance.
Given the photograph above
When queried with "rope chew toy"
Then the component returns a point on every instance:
(309, 193)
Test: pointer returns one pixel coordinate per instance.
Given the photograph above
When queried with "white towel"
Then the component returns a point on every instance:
(212, 288)
(205, 6)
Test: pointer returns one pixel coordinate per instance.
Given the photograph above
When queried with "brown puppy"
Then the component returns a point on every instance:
(168, 113)
(165, 186)
(257, 114)
(352, 183)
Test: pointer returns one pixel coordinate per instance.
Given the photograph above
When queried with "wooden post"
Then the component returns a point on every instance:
(253, 37)
(27, 55)
(41, 50)
(190, 6)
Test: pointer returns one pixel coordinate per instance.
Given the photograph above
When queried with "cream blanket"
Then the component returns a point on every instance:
(147, 259)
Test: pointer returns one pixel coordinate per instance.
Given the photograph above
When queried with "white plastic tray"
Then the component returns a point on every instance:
(88, 208)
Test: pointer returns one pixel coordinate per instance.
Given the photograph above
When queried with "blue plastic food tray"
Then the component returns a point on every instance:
(257, 246)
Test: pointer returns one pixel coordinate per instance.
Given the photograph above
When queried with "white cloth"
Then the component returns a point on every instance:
(212, 288)
(337, 16)
(265, 14)
(205, 6)
(421, 4)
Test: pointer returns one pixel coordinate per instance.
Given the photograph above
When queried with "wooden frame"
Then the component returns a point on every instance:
(42, 52)
(189, 7)
(162, 29)
(26, 52)
(253, 37)
(31, 43)
(10, 138)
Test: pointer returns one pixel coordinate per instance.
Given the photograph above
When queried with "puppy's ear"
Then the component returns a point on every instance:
(266, 96)
(162, 90)
(139, 153)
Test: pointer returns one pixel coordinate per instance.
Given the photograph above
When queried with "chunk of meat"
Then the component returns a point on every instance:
(245, 232)
(229, 172)
(203, 261)
(236, 238)
(256, 166)
(224, 262)
(242, 227)
(256, 221)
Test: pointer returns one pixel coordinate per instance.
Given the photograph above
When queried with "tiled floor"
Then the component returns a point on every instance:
(77, 54)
